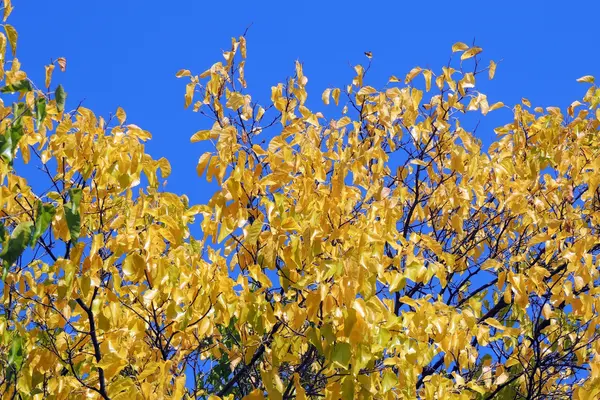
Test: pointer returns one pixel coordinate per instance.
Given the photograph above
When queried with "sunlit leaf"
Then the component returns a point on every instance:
(586, 79)
(459, 46)
(492, 70)
(121, 115)
(12, 36)
(472, 52)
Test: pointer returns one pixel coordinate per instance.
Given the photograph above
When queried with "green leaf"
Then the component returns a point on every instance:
(45, 212)
(72, 213)
(10, 140)
(21, 86)
(60, 95)
(40, 110)
(16, 133)
(6, 148)
(18, 241)
(21, 110)
(341, 354)
(15, 357)
(348, 388)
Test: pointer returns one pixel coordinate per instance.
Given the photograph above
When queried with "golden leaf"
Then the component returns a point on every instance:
(189, 93)
(586, 79)
(7, 9)
(412, 74)
(325, 96)
(492, 70)
(182, 73)
(427, 76)
(203, 163)
(121, 116)
(200, 136)
(459, 46)
(49, 69)
(12, 36)
(472, 52)
(336, 96)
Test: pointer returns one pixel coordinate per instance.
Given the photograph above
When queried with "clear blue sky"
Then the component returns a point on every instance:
(126, 52)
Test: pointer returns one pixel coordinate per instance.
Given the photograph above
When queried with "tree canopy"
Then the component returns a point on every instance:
(377, 252)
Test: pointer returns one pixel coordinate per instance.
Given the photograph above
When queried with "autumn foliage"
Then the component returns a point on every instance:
(377, 252)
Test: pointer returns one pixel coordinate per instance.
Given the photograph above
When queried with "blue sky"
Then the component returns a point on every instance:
(126, 53)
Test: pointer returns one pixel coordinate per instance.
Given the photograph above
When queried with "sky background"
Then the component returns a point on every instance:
(126, 53)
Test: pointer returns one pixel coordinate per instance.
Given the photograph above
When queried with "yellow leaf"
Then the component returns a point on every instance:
(121, 116)
(472, 52)
(412, 74)
(112, 364)
(496, 106)
(254, 232)
(183, 72)
(133, 266)
(503, 377)
(457, 223)
(200, 136)
(492, 70)
(165, 167)
(2, 52)
(416, 96)
(243, 46)
(366, 90)
(256, 394)
(49, 69)
(459, 46)
(203, 163)
(300, 392)
(418, 161)
(494, 323)
(258, 150)
(325, 96)
(547, 311)
(12, 35)
(62, 63)
(336, 95)
(7, 9)
(397, 283)
(235, 101)
(260, 113)
(138, 132)
(427, 75)
(586, 79)
(189, 93)
(342, 122)
(148, 370)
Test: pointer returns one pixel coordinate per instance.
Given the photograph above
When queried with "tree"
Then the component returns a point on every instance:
(382, 253)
